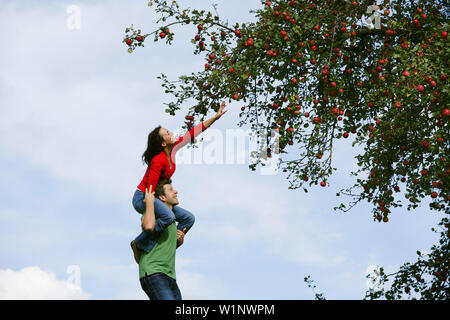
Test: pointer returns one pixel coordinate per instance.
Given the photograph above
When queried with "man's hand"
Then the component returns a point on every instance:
(149, 220)
(180, 237)
(149, 196)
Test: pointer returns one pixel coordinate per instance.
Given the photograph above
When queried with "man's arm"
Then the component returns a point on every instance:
(180, 237)
(148, 221)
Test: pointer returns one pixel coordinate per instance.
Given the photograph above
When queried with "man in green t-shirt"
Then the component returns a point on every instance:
(157, 267)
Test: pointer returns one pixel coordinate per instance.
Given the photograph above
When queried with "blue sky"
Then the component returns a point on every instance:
(75, 110)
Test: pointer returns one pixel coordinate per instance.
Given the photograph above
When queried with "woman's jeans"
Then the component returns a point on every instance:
(159, 286)
(164, 217)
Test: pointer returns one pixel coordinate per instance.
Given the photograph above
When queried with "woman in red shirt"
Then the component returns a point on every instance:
(160, 158)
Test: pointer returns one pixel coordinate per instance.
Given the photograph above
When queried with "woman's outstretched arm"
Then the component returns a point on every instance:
(195, 131)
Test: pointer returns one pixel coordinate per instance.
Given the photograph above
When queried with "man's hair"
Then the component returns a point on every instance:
(159, 190)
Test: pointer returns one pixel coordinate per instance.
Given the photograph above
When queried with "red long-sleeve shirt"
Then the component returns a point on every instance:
(160, 166)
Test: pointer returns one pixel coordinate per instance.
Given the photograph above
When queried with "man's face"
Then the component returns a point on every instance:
(170, 195)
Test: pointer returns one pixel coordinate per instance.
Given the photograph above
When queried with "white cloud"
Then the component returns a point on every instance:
(36, 284)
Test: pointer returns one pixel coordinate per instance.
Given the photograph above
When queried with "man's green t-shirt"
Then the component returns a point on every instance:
(162, 257)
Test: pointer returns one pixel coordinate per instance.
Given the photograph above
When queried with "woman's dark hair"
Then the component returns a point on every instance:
(154, 146)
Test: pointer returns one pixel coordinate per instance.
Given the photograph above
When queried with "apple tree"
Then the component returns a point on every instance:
(318, 71)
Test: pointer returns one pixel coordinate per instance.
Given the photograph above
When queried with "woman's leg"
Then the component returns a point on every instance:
(185, 218)
(138, 201)
(164, 217)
